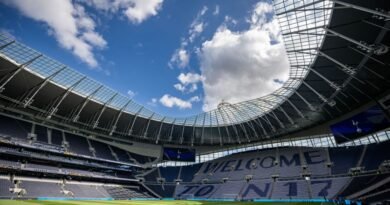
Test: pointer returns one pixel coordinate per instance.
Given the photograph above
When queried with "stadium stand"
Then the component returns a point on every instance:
(188, 172)
(56, 137)
(75, 138)
(14, 128)
(163, 190)
(225, 177)
(78, 144)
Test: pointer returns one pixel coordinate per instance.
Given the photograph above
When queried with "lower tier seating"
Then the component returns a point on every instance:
(44, 188)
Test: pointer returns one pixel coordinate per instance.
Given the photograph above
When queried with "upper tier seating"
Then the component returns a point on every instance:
(56, 137)
(375, 155)
(169, 173)
(41, 133)
(344, 158)
(121, 154)
(78, 144)
(361, 182)
(188, 172)
(14, 128)
(102, 150)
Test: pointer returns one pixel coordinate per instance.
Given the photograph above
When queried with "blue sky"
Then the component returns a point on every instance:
(177, 57)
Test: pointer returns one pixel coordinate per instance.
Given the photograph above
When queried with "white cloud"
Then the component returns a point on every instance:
(195, 99)
(203, 11)
(188, 82)
(189, 78)
(131, 93)
(136, 11)
(259, 17)
(193, 88)
(142, 9)
(171, 101)
(238, 66)
(195, 30)
(68, 23)
(180, 58)
(197, 25)
(216, 11)
(229, 20)
(180, 87)
(94, 39)
(152, 102)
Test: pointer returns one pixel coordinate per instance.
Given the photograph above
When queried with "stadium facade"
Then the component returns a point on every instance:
(75, 137)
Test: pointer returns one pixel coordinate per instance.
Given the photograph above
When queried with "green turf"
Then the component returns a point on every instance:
(35, 202)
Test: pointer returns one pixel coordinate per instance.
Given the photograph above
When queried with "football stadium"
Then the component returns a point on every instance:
(322, 137)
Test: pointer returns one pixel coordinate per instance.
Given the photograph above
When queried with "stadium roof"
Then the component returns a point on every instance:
(334, 68)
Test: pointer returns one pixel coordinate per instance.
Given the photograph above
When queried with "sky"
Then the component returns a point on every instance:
(176, 57)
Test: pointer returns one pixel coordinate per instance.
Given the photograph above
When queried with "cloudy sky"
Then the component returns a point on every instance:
(175, 57)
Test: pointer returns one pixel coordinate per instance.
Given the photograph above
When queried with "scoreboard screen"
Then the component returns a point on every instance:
(179, 154)
(369, 121)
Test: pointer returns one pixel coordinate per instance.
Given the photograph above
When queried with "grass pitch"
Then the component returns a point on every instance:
(71, 202)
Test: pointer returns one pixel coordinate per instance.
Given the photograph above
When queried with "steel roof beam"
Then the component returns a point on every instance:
(96, 122)
(363, 45)
(171, 132)
(292, 104)
(159, 130)
(113, 128)
(259, 122)
(367, 56)
(360, 8)
(242, 126)
(345, 68)
(265, 116)
(201, 137)
(305, 29)
(323, 8)
(193, 129)
(76, 117)
(311, 107)
(182, 131)
(225, 123)
(376, 25)
(219, 131)
(12, 74)
(299, 7)
(147, 125)
(29, 99)
(271, 110)
(130, 132)
(249, 121)
(330, 102)
(330, 83)
(281, 109)
(6, 45)
(53, 109)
